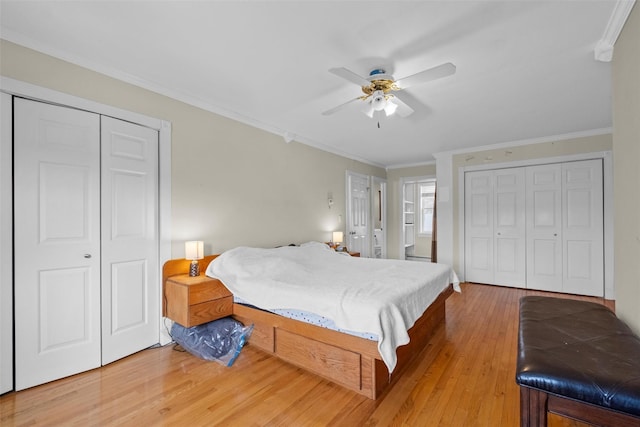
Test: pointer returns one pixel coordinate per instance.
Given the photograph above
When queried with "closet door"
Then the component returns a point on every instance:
(565, 228)
(495, 227)
(6, 245)
(582, 228)
(57, 242)
(479, 234)
(509, 227)
(544, 227)
(130, 294)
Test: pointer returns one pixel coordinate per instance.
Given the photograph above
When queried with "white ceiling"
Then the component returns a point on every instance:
(525, 69)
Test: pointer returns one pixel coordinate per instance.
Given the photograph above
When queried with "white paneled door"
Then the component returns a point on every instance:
(582, 228)
(565, 247)
(358, 207)
(479, 239)
(86, 240)
(539, 227)
(6, 244)
(130, 303)
(494, 227)
(57, 242)
(544, 227)
(509, 227)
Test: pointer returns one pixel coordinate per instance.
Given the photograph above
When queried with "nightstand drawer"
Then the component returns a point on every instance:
(210, 310)
(203, 292)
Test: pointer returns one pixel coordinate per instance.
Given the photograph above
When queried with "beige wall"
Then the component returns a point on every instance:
(394, 204)
(551, 149)
(626, 158)
(232, 184)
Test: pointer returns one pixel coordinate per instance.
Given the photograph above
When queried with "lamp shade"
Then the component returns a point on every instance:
(194, 250)
(390, 108)
(337, 237)
(378, 100)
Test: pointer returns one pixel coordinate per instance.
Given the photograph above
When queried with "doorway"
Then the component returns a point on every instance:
(366, 212)
(417, 207)
(379, 218)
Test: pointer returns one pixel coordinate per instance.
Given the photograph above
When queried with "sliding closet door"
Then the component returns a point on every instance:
(130, 306)
(57, 242)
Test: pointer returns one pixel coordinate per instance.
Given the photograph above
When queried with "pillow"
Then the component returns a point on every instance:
(313, 243)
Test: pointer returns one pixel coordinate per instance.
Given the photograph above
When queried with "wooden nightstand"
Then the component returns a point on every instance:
(196, 300)
(354, 253)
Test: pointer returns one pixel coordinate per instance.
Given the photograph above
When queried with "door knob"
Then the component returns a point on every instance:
(87, 256)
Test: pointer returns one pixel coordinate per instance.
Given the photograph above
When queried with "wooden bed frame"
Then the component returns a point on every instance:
(344, 359)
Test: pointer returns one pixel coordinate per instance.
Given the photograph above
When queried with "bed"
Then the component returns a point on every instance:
(362, 355)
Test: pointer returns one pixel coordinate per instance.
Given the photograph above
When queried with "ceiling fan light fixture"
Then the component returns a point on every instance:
(390, 108)
(378, 100)
(368, 110)
(378, 86)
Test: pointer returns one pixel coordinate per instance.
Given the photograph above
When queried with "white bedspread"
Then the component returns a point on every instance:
(382, 296)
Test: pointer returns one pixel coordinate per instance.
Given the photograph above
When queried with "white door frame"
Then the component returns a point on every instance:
(404, 180)
(607, 175)
(27, 90)
(375, 182)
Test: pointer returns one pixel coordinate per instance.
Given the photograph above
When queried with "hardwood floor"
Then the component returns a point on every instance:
(465, 377)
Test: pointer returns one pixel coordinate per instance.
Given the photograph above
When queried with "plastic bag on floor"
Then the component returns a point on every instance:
(220, 340)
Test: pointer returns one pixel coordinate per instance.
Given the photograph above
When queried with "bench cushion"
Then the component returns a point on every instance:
(579, 350)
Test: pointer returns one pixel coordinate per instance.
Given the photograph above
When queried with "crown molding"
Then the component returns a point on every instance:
(541, 140)
(411, 165)
(185, 98)
(604, 48)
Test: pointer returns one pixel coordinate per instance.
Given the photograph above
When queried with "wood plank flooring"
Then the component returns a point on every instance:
(465, 377)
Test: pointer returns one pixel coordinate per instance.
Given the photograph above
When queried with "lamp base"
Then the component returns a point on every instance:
(194, 268)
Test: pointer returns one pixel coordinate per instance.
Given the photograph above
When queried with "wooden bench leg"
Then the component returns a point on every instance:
(533, 408)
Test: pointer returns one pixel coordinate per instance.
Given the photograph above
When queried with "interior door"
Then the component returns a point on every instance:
(130, 282)
(479, 233)
(6, 245)
(358, 206)
(57, 242)
(544, 227)
(509, 227)
(582, 224)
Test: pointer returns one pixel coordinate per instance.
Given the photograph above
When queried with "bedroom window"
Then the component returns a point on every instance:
(427, 198)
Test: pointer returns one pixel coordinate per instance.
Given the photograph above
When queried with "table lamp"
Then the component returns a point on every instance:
(194, 251)
(337, 239)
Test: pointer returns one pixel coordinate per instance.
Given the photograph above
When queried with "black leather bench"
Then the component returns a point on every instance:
(578, 360)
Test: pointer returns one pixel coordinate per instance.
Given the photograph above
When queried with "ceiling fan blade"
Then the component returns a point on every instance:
(339, 107)
(350, 76)
(404, 108)
(427, 75)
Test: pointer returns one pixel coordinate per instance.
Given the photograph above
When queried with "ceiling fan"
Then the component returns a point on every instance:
(383, 93)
